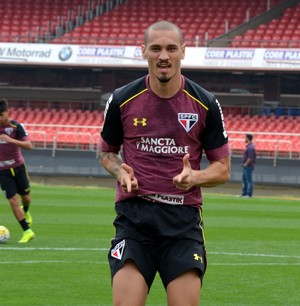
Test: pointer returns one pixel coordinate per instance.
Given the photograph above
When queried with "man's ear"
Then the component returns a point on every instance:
(143, 51)
(183, 51)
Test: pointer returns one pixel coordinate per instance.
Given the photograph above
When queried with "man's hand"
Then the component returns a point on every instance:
(127, 179)
(183, 180)
(5, 138)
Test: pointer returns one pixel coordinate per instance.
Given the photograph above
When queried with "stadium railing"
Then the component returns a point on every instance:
(63, 137)
(86, 138)
(269, 148)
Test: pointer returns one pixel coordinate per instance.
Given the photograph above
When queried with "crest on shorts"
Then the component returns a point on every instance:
(117, 251)
(187, 120)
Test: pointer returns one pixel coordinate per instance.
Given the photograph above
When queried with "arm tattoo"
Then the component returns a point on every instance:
(111, 162)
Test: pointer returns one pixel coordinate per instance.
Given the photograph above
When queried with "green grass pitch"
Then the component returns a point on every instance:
(253, 248)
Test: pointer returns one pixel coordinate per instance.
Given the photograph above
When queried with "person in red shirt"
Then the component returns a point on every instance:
(14, 178)
(155, 131)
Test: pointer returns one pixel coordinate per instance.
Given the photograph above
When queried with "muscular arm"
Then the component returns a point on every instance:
(111, 162)
(216, 173)
(24, 144)
(114, 165)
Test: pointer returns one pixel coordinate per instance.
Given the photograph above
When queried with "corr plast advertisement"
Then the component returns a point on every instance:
(131, 56)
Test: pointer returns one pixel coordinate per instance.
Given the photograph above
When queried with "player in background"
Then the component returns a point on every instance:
(13, 173)
(155, 131)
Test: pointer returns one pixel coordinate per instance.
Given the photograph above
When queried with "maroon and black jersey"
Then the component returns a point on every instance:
(10, 154)
(155, 133)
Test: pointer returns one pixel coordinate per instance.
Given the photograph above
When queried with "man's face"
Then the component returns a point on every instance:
(3, 117)
(163, 53)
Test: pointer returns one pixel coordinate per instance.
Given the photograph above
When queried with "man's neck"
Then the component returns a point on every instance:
(167, 89)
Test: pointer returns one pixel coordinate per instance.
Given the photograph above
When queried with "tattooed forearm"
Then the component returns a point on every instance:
(111, 162)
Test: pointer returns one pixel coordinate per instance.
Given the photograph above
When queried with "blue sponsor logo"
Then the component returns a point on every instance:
(234, 54)
(279, 55)
(102, 51)
(65, 53)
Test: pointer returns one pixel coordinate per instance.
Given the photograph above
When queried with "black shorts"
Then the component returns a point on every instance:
(162, 238)
(15, 181)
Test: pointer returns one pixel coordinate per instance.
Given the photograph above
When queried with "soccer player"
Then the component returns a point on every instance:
(13, 173)
(248, 164)
(155, 131)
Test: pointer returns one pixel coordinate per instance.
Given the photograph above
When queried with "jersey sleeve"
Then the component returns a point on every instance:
(21, 133)
(112, 131)
(215, 137)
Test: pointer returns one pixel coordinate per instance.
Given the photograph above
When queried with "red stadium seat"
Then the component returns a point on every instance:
(31, 14)
(136, 15)
(285, 26)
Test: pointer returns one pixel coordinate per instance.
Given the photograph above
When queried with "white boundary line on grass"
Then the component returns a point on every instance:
(254, 264)
(52, 261)
(254, 255)
(52, 249)
(106, 263)
(106, 249)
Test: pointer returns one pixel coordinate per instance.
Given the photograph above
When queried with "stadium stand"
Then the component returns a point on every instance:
(62, 128)
(273, 134)
(80, 129)
(125, 23)
(282, 32)
(121, 22)
(36, 21)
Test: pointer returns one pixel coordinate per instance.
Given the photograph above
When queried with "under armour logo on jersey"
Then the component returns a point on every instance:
(117, 251)
(143, 122)
(187, 120)
(197, 257)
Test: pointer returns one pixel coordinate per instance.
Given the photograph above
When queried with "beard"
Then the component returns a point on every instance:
(164, 79)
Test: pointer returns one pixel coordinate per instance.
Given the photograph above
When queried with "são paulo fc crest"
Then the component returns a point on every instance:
(187, 120)
(9, 130)
(117, 251)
